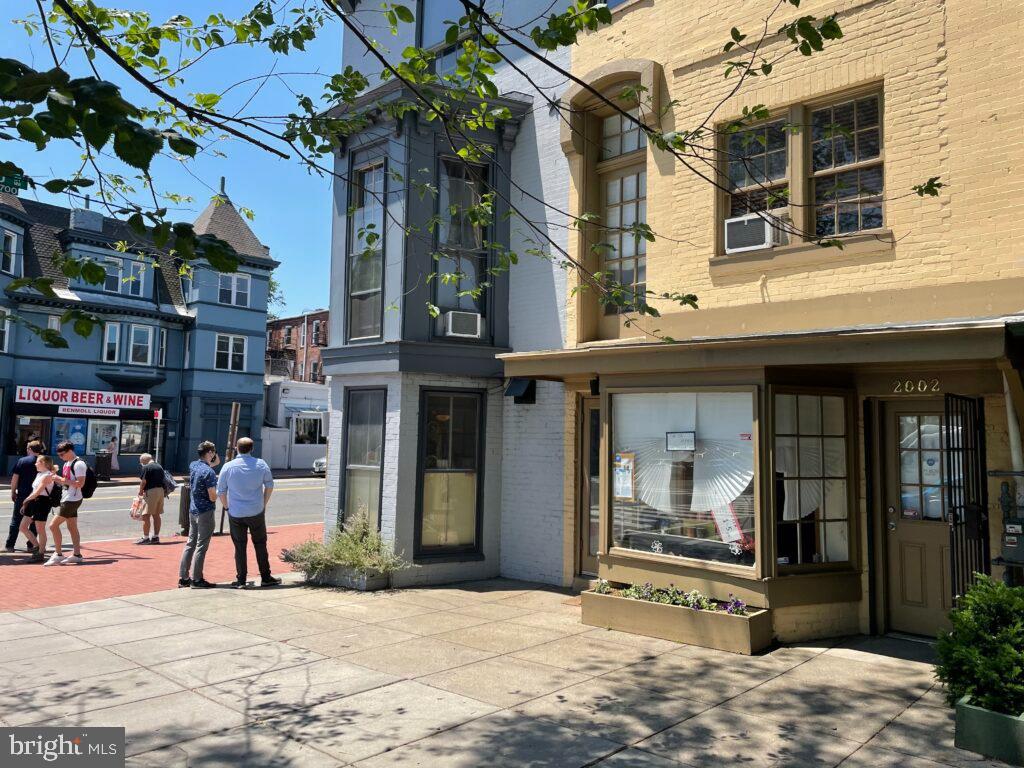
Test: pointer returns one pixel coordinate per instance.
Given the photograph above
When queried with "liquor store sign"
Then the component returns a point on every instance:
(79, 397)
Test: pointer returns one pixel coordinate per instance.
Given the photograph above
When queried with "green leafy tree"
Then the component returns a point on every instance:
(97, 54)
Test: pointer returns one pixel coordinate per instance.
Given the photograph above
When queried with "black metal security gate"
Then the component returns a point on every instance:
(966, 491)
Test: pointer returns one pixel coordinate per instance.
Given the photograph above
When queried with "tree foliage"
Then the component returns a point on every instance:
(96, 52)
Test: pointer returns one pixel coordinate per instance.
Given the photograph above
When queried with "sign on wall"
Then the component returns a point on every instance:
(624, 476)
(79, 397)
(87, 410)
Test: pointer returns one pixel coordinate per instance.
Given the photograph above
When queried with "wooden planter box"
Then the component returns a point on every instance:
(988, 733)
(710, 629)
(346, 577)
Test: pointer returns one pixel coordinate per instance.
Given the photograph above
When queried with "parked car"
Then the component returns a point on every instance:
(320, 466)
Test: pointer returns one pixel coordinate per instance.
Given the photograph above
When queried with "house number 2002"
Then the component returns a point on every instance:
(915, 386)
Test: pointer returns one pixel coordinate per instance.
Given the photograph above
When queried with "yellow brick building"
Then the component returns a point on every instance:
(818, 437)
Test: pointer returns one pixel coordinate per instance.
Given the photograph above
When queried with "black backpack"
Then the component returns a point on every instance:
(89, 486)
(56, 493)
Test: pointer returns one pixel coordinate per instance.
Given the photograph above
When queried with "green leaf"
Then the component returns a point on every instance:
(181, 144)
(96, 130)
(404, 14)
(29, 130)
(136, 145)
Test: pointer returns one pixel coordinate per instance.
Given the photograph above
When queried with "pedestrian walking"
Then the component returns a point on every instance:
(244, 487)
(72, 477)
(36, 508)
(21, 486)
(202, 508)
(151, 491)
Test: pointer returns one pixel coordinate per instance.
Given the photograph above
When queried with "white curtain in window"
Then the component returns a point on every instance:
(723, 462)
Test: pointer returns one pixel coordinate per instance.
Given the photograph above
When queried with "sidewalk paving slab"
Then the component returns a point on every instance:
(248, 746)
(297, 683)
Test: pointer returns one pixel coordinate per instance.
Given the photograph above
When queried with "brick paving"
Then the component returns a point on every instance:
(495, 673)
(116, 568)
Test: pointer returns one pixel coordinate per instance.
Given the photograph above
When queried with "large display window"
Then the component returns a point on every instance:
(682, 474)
(136, 437)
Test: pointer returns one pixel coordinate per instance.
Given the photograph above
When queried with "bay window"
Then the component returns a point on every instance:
(111, 342)
(233, 289)
(462, 257)
(682, 474)
(451, 431)
(812, 480)
(364, 452)
(365, 253)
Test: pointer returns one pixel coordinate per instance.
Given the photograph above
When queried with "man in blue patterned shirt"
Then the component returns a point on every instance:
(202, 485)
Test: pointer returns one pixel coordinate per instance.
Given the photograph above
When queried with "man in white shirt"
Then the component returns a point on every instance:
(72, 477)
(244, 487)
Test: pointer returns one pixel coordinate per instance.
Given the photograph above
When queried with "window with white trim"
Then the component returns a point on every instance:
(141, 341)
(112, 281)
(111, 342)
(53, 323)
(136, 275)
(10, 243)
(230, 353)
(288, 335)
(365, 257)
(5, 331)
(161, 357)
(234, 289)
(302, 334)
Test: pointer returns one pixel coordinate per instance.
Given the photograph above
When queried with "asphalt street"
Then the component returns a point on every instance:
(105, 515)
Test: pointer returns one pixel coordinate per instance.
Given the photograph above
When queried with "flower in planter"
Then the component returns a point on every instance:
(735, 606)
(602, 587)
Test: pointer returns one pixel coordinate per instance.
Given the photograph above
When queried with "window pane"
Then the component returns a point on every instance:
(365, 428)
(909, 470)
(365, 272)
(810, 414)
(785, 414)
(835, 500)
(362, 493)
(449, 509)
(835, 456)
(837, 544)
(225, 289)
(810, 456)
(437, 432)
(464, 432)
(365, 316)
(833, 415)
(697, 503)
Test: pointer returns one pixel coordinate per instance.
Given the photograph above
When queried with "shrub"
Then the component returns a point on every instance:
(983, 655)
(675, 596)
(357, 546)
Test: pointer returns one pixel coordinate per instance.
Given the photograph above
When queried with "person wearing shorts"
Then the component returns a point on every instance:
(151, 489)
(36, 508)
(72, 477)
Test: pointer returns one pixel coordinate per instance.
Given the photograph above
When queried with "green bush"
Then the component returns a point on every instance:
(357, 546)
(983, 655)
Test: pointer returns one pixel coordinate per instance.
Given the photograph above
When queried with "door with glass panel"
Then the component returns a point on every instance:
(589, 484)
(916, 517)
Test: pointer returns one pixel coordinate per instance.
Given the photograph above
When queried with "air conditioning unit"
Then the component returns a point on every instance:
(463, 325)
(748, 233)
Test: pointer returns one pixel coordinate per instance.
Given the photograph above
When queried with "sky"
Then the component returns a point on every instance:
(292, 207)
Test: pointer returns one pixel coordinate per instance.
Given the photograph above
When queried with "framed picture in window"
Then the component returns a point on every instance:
(136, 437)
(624, 476)
(101, 432)
(680, 441)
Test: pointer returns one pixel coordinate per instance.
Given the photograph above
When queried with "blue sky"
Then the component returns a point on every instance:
(292, 208)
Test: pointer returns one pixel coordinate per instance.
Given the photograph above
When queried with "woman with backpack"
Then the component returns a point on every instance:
(37, 505)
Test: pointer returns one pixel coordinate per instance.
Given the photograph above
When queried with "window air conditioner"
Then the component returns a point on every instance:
(463, 325)
(748, 233)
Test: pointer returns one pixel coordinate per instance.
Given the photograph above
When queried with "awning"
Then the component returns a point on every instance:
(304, 408)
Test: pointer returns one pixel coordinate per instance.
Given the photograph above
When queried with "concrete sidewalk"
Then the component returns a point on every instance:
(494, 673)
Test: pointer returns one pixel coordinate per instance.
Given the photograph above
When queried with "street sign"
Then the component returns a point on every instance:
(158, 414)
(11, 184)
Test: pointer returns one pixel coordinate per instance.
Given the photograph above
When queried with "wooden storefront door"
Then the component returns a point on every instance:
(589, 483)
(916, 516)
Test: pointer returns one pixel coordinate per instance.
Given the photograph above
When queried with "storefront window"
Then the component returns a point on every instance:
(683, 474)
(101, 432)
(811, 480)
(364, 442)
(136, 436)
(451, 448)
(309, 431)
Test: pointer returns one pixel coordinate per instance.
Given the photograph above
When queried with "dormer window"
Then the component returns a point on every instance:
(136, 273)
(7, 261)
(112, 282)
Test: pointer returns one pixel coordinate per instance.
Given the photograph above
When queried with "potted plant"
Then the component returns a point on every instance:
(356, 557)
(672, 614)
(981, 662)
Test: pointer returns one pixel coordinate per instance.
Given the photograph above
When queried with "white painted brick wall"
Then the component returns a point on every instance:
(532, 487)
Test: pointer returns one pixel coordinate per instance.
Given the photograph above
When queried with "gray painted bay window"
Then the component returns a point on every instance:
(230, 354)
(365, 256)
(364, 453)
(462, 257)
(450, 484)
